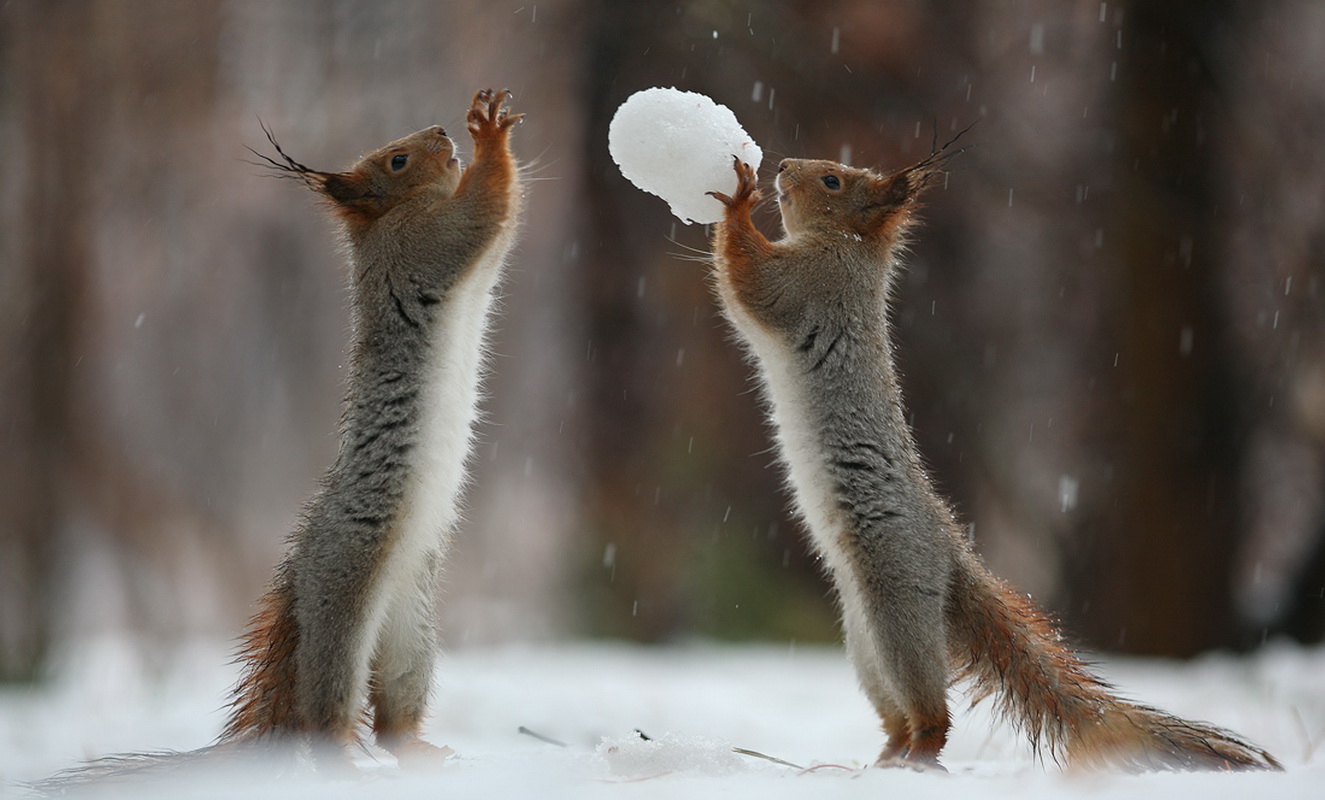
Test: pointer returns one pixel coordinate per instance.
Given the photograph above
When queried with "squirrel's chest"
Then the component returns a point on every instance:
(448, 398)
(799, 433)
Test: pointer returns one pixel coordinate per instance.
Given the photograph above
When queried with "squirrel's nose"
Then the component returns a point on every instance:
(439, 130)
(786, 162)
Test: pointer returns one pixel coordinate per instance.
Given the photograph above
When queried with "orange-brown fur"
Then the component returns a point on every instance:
(262, 703)
(1012, 651)
(377, 204)
(920, 609)
(348, 617)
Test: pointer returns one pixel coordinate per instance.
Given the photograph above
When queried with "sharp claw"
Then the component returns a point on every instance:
(489, 111)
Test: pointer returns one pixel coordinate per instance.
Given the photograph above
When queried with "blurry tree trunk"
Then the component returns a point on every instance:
(641, 557)
(81, 71)
(1304, 618)
(687, 530)
(1157, 570)
(38, 344)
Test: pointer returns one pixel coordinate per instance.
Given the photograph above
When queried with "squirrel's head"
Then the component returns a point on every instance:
(421, 165)
(830, 197)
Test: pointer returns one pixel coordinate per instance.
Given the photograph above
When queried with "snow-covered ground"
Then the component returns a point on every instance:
(696, 703)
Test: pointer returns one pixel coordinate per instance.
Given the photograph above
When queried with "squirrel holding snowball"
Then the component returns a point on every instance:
(919, 607)
(349, 616)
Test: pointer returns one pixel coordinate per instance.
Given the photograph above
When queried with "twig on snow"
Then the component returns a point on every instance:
(540, 737)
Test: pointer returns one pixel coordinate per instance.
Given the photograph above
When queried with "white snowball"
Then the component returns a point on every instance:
(679, 145)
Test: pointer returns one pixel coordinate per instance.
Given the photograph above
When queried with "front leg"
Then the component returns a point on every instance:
(492, 176)
(739, 204)
(738, 246)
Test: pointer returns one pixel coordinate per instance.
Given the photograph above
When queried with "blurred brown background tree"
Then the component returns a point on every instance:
(1111, 326)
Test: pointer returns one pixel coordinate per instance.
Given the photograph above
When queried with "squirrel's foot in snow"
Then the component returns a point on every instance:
(901, 762)
(415, 753)
(334, 759)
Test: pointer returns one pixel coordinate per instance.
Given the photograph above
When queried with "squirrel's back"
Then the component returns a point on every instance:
(349, 616)
(345, 635)
(918, 606)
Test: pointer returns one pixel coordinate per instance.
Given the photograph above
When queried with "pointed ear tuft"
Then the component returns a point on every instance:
(283, 166)
(894, 191)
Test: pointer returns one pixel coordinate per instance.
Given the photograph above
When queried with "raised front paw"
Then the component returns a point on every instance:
(747, 187)
(488, 117)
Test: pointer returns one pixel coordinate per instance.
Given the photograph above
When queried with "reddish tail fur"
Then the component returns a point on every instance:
(262, 706)
(263, 702)
(1009, 649)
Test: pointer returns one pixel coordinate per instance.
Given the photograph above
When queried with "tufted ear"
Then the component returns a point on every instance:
(895, 190)
(285, 167)
(888, 203)
(352, 197)
(344, 188)
(906, 185)
(349, 191)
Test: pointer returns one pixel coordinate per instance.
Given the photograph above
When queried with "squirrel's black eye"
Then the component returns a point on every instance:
(398, 162)
(832, 182)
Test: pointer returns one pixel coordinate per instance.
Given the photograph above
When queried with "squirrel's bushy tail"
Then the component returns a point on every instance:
(262, 708)
(125, 768)
(1007, 648)
(263, 701)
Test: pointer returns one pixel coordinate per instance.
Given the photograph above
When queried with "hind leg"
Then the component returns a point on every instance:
(916, 663)
(898, 728)
(402, 672)
(916, 734)
(906, 629)
(864, 654)
(333, 610)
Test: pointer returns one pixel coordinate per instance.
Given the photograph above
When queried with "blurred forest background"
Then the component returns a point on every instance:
(1111, 328)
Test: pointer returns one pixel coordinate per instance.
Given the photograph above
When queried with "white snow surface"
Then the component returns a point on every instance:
(679, 145)
(695, 703)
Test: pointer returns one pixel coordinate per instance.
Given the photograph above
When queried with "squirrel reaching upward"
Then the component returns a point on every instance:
(349, 618)
(350, 613)
(919, 607)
